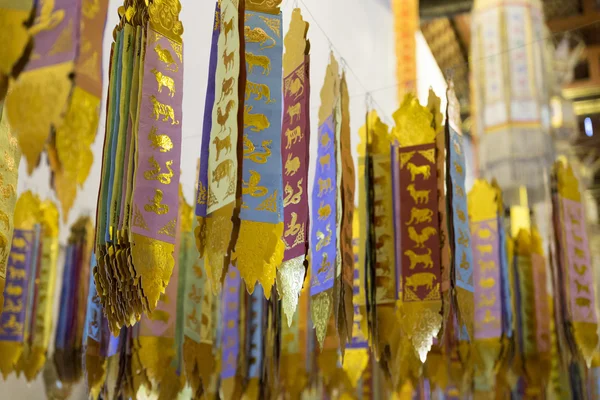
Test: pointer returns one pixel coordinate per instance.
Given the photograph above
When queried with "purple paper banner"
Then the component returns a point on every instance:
(156, 195)
(12, 320)
(487, 279)
(295, 157)
(202, 194)
(230, 331)
(56, 28)
(323, 233)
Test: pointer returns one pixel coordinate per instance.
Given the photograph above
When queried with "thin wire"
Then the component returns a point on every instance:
(342, 59)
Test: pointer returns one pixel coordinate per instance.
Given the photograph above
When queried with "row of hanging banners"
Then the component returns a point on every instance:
(419, 289)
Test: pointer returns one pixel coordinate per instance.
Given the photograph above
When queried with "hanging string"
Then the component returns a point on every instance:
(450, 71)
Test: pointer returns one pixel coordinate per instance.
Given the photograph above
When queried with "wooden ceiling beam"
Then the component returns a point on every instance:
(590, 15)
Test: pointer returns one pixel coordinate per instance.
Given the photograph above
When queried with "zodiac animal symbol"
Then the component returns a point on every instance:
(416, 259)
(222, 118)
(16, 273)
(227, 88)
(295, 88)
(155, 205)
(12, 290)
(165, 56)
(251, 187)
(461, 216)
(228, 60)
(254, 60)
(260, 91)
(325, 265)
(293, 227)
(17, 257)
(487, 265)
(324, 186)
(292, 165)
(487, 283)
(294, 112)
(582, 302)
(325, 162)
(325, 140)
(464, 264)
(577, 238)
(579, 253)
(163, 109)
(485, 249)
(293, 136)
(227, 28)
(195, 295)
(290, 197)
(222, 144)
(256, 122)
(324, 241)
(421, 279)
(424, 170)
(164, 80)
(460, 192)
(48, 18)
(581, 269)
(223, 170)
(13, 325)
(489, 318)
(250, 152)
(484, 233)
(420, 215)
(324, 211)
(581, 288)
(258, 35)
(421, 238)
(463, 239)
(19, 243)
(13, 307)
(419, 196)
(487, 301)
(161, 142)
(155, 173)
(458, 168)
(191, 319)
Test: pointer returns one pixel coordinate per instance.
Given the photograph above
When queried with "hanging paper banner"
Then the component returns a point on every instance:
(75, 136)
(259, 249)
(230, 347)
(324, 200)
(295, 157)
(461, 231)
(223, 164)
(41, 92)
(9, 173)
(345, 217)
(21, 270)
(406, 23)
(576, 262)
(421, 272)
(483, 214)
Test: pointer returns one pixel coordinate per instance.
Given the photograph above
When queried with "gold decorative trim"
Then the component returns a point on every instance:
(413, 123)
(164, 18)
(330, 89)
(296, 45)
(482, 201)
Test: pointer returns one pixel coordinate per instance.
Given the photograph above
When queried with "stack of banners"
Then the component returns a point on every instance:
(59, 88)
(376, 205)
(138, 206)
(576, 299)
(154, 363)
(295, 156)
(459, 241)
(26, 322)
(259, 249)
(9, 174)
(70, 326)
(219, 187)
(420, 275)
